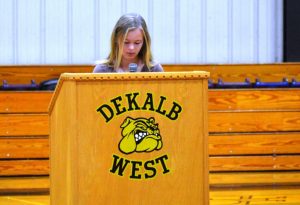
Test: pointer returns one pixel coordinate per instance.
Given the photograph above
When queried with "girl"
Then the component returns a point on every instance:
(130, 43)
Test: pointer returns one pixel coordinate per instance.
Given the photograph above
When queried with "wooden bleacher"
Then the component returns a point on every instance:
(24, 142)
(254, 134)
(232, 73)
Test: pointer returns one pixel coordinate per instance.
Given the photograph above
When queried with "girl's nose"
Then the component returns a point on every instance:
(131, 46)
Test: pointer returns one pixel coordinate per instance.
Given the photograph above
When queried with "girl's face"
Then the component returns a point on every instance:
(132, 45)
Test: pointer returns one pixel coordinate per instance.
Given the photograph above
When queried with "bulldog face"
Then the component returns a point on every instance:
(139, 135)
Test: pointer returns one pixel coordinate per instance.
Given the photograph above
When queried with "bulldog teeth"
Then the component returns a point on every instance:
(140, 136)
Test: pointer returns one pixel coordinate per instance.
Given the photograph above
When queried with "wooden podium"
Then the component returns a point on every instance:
(129, 139)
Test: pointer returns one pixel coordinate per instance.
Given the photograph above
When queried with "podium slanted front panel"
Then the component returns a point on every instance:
(63, 138)
(134, 139)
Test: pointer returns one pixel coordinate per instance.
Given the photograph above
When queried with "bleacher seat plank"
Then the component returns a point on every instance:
(25, 102)
(216, 179)
(20, 148)
(25, 73)
(220, 179)
(24, 124)
(21, 74)
(254, 99)
(254, 163)
(238, 72)
(267, 143)
(259, 99)
(256, 121)
(24, 184)
(24, 167)
(216, 164)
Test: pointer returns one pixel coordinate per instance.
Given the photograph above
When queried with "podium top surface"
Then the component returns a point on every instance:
(84, 77)
(135, 76)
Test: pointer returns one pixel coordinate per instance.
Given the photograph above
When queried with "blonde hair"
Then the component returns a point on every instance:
(125, 24)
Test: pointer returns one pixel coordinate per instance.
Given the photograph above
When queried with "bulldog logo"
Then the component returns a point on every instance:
(140, 135)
